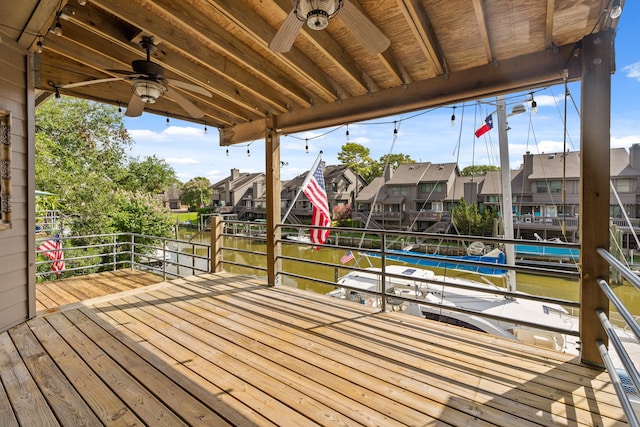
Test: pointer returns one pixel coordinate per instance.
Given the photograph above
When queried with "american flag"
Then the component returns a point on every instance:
(486, 127)
(347, 257)
(317, 195)
(54, 253)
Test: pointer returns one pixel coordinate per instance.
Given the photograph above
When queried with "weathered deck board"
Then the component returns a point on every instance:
(226, 350)
(52, 294)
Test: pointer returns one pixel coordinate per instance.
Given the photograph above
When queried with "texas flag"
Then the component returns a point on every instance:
(486, 127)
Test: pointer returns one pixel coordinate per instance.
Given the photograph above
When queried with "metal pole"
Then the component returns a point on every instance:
(505, 174)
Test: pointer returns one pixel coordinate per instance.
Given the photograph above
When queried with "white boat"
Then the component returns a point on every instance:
(436, 295)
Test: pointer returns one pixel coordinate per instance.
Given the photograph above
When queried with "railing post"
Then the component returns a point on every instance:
(274, 209)
(216, 244)
(383, 276)
(595, 192)
(132, 252)
(113, 254)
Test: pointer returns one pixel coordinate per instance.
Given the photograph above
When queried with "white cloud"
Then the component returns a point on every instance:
(633, 70)
(146, 135)
(625, 141)
(181, 161)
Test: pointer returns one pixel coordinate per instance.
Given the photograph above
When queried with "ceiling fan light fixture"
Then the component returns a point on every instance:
(317, 13)
(148, 90)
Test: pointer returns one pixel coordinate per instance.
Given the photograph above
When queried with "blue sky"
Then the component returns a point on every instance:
(426, 136)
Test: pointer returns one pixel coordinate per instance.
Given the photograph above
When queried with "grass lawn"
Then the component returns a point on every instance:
(188, 216)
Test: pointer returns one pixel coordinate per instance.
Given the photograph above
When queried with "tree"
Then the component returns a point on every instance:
(80, 156)
(357, 157)
(196, 192)
(152, 175)
(478, 170)
(394, 160)
(469, 220)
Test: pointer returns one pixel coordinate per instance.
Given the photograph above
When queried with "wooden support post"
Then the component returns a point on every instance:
(272, 168)
(216, 244)
(595, 195)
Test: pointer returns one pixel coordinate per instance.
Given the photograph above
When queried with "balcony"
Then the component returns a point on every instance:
(228, 349)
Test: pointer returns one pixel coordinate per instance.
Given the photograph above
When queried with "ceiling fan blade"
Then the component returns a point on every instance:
(286, 35)
(189, 86)
(90, 82)
(186, 105)
(125, 72)
(365, 31)
(135, 107)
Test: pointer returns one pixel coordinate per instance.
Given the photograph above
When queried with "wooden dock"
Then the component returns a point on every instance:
(222, 349)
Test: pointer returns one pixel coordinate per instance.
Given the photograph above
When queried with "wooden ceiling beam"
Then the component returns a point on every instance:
(195, 23)
(417, 18)
(516, 74)
(177, 41)
(39, 22)
(310, 74)
(482, 27)
(100, 53)
(548, 32)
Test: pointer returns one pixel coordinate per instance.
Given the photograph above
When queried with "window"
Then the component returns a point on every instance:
(623, 185)
(334, 186)
(551, 186)
(399, 191)
(5, 170)
(437, 206)
(432, 187)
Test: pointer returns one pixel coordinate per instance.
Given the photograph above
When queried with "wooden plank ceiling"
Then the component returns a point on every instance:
(441, 51)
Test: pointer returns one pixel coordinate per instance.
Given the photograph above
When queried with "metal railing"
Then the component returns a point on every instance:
(380, 244)
(626, 381)
(170, 258)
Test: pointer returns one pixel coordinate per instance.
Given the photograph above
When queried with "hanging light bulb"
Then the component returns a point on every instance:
(205, 128)
(227, 152)
(57, 29)
(167, 121)
(119, 108)
(534, 105)
(306, 145)
(395, 128)
(347, 133)
(57, 95)
(248, 153)
(82, 2)
(616, 10)
(39, 46)
(453, 116)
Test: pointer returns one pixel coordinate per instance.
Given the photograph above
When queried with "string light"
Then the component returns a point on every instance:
(57, 29)
(57, 95)
(119, 108)
(39, 46)
(347, 133)
(82, 2)
(616, 10)
(306, 145)
(227, 152)
(167, 121)
(453, 116)
(395, 127)
(248, 153)
(205, 128)
(534, 105)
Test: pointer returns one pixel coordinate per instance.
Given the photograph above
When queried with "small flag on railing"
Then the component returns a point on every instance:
(486, 127)
(347, 257)
(54, 253)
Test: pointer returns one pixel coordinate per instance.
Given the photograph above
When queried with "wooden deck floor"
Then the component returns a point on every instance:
(221, 349)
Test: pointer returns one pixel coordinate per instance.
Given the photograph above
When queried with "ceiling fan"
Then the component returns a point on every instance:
(148, 84)
(318, 13)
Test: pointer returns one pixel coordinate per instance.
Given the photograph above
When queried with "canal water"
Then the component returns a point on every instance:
(252, 255)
